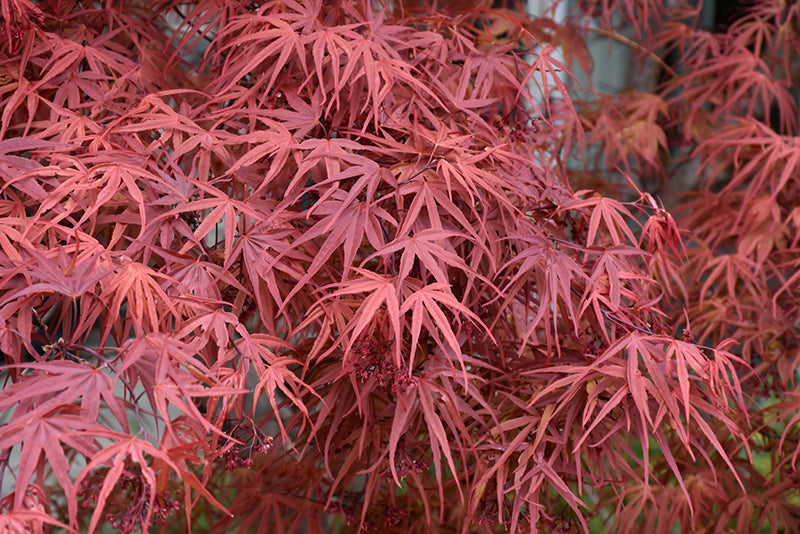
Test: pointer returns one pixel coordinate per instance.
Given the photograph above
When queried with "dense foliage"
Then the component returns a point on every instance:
(329, 266)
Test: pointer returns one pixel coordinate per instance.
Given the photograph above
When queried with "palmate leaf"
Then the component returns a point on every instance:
(77, 274)
(278, 375)
(281, 40)
(381, 65)
(554, 276)
(425, 305)
(425, 248)
(62, 383)
(276, 141)
(268, 260)
(612, 214)
(135, 284)
(222, 209)
(101, 184)
(125, 451)
(740, 83)
(174, 379)
(61, 423)
(646, 390)
(436, 407)
(382, 291)
(329, 45)
(346, 220)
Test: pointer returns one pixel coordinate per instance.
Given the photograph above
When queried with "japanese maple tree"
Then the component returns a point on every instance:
(321, 266)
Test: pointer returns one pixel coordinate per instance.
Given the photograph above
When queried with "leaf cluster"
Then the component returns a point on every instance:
(303, 266)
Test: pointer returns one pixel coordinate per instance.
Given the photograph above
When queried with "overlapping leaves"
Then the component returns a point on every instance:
(341, 224)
